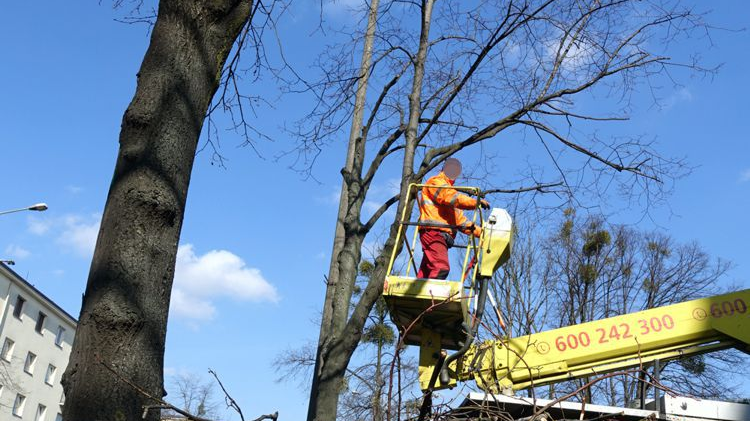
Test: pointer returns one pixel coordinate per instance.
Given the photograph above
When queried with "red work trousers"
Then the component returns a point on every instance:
(435, 255)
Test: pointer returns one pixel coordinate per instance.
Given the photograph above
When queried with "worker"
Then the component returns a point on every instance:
(441, 205)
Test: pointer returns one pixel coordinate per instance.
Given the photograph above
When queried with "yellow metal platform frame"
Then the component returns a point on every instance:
(440, 314)
(417, 305)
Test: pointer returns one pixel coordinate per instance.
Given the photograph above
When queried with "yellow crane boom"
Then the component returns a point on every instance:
(663, 333)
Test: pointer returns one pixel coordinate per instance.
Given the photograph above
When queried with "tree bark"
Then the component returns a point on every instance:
(325, 389)
(345, 332)
(123, 319)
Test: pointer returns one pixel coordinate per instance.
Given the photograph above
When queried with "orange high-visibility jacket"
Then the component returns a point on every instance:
(439, 203)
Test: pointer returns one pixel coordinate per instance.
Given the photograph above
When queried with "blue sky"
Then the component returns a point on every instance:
(256, 237)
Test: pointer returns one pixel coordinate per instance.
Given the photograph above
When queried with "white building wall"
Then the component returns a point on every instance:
(4, 285)
(21, 330)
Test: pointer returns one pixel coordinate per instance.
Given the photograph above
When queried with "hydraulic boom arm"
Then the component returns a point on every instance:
(664, 333)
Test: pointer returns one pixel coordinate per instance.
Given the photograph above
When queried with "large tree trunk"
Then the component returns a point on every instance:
(336, 347)
(325, 389)
(123, 319)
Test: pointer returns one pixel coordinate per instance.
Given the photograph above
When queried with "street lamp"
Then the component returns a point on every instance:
(38, 207)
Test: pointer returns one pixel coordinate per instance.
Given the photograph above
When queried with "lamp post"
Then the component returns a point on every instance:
(38, 207)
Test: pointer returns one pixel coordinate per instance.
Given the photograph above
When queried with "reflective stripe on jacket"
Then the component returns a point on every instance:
(440, 203)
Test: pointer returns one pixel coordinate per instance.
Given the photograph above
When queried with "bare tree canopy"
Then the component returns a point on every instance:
(194, 395)
(593, 269)
(439, 77)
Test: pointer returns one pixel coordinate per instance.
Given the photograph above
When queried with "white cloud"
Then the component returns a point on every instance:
(79, 234)
(680, 95)
(684, 94)
(38, 226)
(579, 55)
(76, 233)
(343, 8)
(371, 207)
(380, 193)
(73, 189)
(17, 252)
(386, 190)
(200, 280)
(331, 198)
(745, 176)
(190, 307)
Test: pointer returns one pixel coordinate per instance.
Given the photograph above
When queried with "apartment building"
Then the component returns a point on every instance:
(36, 336)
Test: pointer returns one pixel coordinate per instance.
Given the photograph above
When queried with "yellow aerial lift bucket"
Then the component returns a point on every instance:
(443, 314)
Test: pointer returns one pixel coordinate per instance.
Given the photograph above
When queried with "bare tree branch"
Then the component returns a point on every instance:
(229, 399)
(542, 188)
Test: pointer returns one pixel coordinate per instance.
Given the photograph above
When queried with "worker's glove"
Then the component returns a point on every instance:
(484, 204)
(474, 230)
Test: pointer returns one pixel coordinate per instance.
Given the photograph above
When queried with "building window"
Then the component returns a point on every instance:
(58, 417)
(41, 413)
(18, 308)
(40, 322)
(28, 366)
(18, 405)
(49, 378)
(7, 352)
(62, 398)
(60, 336)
